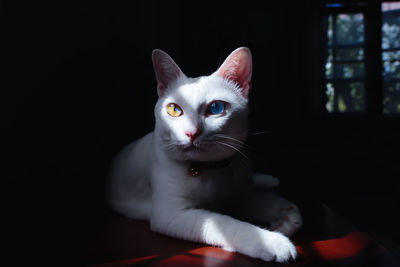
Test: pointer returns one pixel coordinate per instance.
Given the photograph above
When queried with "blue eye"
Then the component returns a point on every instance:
(216, 107)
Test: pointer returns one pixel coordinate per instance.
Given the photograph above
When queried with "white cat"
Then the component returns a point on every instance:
(193, 164)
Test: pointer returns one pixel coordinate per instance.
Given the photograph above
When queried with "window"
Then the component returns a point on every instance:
(362, 57)
(344, 68)
(391, 57)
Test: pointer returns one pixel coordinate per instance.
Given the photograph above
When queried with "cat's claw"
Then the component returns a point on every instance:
(288, 221)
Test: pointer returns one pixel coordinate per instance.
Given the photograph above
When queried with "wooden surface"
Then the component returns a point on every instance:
(325, 239)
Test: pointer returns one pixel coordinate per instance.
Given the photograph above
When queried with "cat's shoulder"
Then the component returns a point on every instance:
(138, 146)
(142, 144)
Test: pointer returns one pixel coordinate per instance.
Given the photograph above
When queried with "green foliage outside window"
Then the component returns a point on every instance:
(344, 68)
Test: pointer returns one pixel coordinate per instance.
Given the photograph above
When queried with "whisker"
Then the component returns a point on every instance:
(258, 133)
(230, 138)
(234, 148)
(245, 160)
(243, 145)
(237, 144)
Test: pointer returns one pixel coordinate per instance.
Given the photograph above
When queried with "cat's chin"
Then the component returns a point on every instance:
(201, 153)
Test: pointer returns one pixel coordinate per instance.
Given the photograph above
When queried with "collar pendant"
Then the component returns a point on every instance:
(194, 172)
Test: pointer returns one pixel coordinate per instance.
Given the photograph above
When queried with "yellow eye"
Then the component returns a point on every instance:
(174, 110)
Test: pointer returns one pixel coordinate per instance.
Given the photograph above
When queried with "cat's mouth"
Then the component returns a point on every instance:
(193, 147)
(205, 148)
(203, 151)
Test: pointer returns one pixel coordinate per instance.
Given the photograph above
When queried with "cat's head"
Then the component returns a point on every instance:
(203, 118)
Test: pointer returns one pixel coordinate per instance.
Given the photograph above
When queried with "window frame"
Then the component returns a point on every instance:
(334, 47)
(373, 78)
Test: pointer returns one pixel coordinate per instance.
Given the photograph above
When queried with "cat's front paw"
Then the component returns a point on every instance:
(265, 245)
(288, 220)
(274, 246)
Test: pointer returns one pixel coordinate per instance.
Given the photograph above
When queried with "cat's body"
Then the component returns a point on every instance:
(192, 164)
(215, 189)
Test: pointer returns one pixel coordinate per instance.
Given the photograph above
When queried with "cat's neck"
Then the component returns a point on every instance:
(215, 164)
(193, 166)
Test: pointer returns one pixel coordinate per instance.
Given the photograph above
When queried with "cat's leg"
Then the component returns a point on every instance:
(220, 230)
(271, 209)
(265, 180)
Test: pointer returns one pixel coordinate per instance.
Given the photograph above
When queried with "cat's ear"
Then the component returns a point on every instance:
(167, 71)
(238, 68)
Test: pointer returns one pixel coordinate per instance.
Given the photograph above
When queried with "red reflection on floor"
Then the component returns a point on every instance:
(205, 256)
(325, 250)
(181, 260)
(212, 252)
(335, 249)
(127, 262)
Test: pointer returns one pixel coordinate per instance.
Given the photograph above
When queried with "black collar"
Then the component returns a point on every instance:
(196, 166)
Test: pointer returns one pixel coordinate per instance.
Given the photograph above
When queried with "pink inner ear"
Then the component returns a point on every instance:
(238, 68)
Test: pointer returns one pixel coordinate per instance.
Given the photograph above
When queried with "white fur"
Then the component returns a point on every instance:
(150, 177)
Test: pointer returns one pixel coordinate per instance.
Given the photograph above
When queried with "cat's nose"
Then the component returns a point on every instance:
(193, 135)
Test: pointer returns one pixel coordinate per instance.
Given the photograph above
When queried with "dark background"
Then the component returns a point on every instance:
(78, 85)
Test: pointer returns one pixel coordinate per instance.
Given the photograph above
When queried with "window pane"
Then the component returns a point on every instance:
(344, 66)
(330, 30)
(391, 98)
(391, 65)
(345, 97)
(357, 93)
(330, 95)
(329, 65)
(390, 25)
(391, 57)
(349, 70)
(349, 29)
(350, 54)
